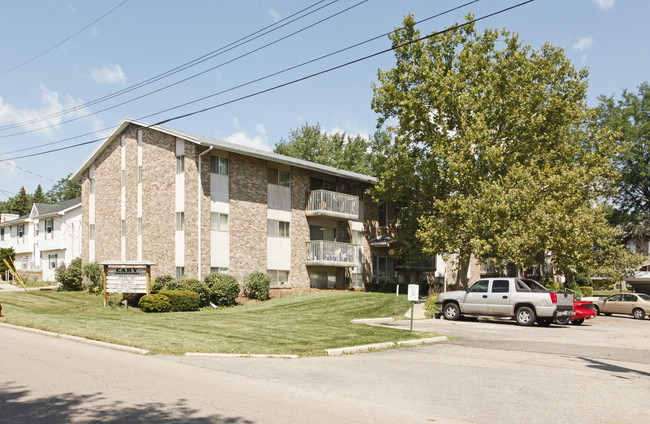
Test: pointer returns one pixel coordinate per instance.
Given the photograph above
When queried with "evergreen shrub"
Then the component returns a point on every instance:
(182, 300)
(257, 285)
(223, 288)
(154, 303)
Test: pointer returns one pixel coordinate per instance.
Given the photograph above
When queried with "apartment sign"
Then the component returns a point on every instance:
(126, 279)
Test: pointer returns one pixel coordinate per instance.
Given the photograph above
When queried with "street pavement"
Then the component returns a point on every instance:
(489, 372)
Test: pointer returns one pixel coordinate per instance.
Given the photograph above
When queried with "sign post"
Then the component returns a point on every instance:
(413, 296)
(396, 296)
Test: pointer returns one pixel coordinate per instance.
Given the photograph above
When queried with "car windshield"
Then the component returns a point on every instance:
(645, 297)
(530, 285)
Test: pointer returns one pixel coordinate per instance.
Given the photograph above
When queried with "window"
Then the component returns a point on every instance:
(123, 228)
(139, 173)
(180, 164)
(219, 221)
(383, 269)
(2, 234)
(91, 185)
(37, 228)
(278, 228)
(279, 177)
(279, 278)
(139, 225)
(49, 229)
(615, 298)
(91, 232)
(383, 218)
(124, 178)
(52, 260)
(500, 286)
(20, 232)
(218, 270)
(320, 184)
(481, 286)
(316, 232)
(219, 165)
(629, 298)
(180, 221)
(180, 271)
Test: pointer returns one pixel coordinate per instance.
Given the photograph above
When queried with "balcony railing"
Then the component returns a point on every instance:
(331, 203)
(331, 253)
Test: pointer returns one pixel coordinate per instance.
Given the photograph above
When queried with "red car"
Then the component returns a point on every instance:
(584, 309)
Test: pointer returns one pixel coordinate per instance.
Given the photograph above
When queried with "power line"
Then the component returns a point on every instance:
(299, 79)
(191, 76)
(214, 53)
(61, 42)
(4, 161)
(247, 83)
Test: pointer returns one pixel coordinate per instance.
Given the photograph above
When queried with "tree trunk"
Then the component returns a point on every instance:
(463, 267)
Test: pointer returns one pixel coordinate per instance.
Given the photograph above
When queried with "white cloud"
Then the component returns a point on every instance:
(258, 140)
(605, 4)
(350, 129)
(52, 103)
(275, 15)
(585, 43)
(111, 74)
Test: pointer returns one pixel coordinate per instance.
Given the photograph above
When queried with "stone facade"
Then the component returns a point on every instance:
(108, 189)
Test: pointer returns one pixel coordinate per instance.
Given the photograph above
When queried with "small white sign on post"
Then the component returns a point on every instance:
(414, 293)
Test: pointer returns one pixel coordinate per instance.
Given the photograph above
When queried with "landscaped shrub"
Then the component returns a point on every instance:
(587, 291)
(257, 285)
(198, 287)
(182, 300)
(155, 303)
(430, 306)
(160, 282)
(70, 277)
(552, 285)
(224, 289)
(95, 273)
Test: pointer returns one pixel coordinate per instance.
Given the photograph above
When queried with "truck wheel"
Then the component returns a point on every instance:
(562, 320)
(577, 321)
(526, 316)
(451, 312)
(597, 310)
(544, 322)
(638, 313)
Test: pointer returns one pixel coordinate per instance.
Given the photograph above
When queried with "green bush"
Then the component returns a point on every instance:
(257, 285)
(160, 282)
(587, 291)
(71, 276)
(430, 306)
(223, 288)
(583, 280)
(155, 303)
(552, 285)
(182, 300)
(95, 274)
(198, 287)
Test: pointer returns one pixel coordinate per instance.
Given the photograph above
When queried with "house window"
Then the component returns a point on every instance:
(37, 228)
(2, 234)
(180, 271)
(219, 221)
(180, 221)
(279, 278)
(180, 164)
(218, 270)
(91, 232)
(279, 177)
(219, 165)
(20, 232)
(383, 218)
(91, 185)
(278, 228)
(49, 229)
(316, 232)
(382, 270)
(52, 260)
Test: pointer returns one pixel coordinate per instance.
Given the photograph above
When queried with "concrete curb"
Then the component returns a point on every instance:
(371, 321)
(239, 355)
(387, 345)
(78, 339)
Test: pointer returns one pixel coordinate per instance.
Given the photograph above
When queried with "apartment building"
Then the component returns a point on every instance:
(45, 239)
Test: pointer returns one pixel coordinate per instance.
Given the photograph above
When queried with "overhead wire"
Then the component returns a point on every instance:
(190, 77)
(249, 82)
(214, 53)
(61, 42)
(276, 87)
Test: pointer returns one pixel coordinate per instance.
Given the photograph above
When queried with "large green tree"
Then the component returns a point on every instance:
(310, 142)
(64, 189)
(494, 151)
(630, 117)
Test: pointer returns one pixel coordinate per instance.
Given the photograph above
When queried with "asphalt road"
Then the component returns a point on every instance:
(490, 373)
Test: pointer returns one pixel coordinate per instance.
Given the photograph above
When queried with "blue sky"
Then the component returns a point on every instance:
(142, 38)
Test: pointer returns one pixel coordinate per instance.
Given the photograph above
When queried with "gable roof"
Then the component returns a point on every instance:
(221, 145)
(44, 209)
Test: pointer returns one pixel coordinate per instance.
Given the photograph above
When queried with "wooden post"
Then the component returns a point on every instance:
(105, 289)
(148, 279)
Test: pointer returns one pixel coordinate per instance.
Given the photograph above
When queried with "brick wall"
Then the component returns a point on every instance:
(248, 216)
(299, 229)
(108, 189)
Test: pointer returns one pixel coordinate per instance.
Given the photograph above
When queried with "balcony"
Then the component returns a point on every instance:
(331, 253)
(331, 203)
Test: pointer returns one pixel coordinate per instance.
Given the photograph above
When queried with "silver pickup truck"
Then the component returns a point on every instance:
(523, 299)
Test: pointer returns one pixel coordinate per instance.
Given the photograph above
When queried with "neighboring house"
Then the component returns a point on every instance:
(45, 239)
(194, 205)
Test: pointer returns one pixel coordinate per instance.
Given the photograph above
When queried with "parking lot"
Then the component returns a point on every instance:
(616, 337)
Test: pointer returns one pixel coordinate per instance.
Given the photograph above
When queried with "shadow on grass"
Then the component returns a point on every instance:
(17, 405)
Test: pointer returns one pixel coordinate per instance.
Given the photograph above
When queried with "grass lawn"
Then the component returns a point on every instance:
(300, 324)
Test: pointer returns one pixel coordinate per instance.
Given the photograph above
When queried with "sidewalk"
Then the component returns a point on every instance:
(6, 287)
(418, 311)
